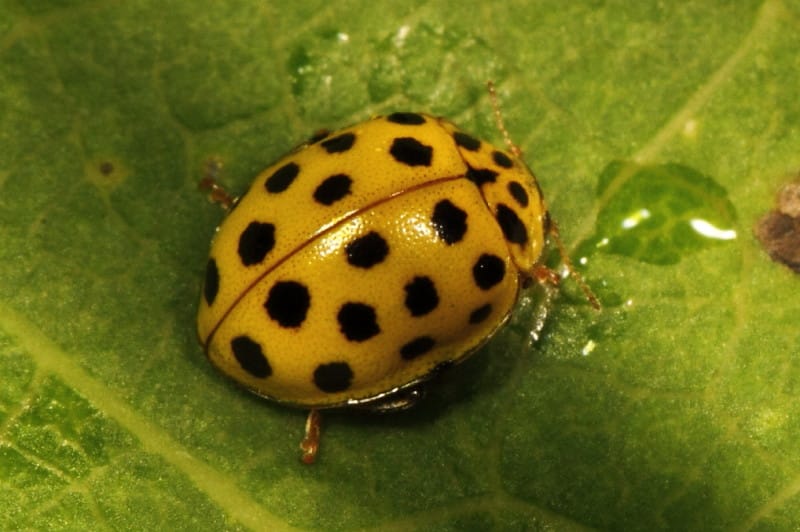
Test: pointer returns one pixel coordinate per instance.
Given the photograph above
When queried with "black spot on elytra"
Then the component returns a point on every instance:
(318, 136)
(367, 251)
(288, 303)
(421, 296)
(409, 119)
(501, 159)
(449, 221)
(250, 357)
(480, 314)
(255, 242)
(282, 178)
(417, 347)
(333, 377)
(340, 143)
(488, 271)
(357, 321)
(332, 189)
(410, 151)
(211, 286)
(513, 228)
(518, 192)
(466, 141)
(481, 176)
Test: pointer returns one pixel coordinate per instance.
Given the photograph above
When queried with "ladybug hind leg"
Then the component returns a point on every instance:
(310, 443)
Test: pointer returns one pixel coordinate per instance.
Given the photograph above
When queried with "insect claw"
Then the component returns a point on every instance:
(310, 443)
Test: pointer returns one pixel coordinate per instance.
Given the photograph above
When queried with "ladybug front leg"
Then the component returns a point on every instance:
(310, 443)
(546, 275)
(210, 183)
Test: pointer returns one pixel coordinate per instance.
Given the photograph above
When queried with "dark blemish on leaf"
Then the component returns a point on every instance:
(779, 230)
(106, 167)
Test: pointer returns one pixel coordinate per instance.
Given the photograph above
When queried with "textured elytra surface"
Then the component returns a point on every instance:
(681, 413)
(407, 268)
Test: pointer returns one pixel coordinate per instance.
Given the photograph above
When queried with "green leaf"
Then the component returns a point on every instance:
(672, 408)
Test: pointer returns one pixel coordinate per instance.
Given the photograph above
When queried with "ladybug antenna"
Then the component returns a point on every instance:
(498, 118)
(562, 250)
(543, 273)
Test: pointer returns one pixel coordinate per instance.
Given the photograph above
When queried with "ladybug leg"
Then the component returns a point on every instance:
(310, 443)
(553, 232)
(548, 279)
(545, 275)
(210, 183)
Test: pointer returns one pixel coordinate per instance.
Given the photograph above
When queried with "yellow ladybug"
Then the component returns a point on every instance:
(363, 261)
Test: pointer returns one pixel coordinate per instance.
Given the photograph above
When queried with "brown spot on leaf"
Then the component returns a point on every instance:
(789, 200)
(779, 230)
(106, 167)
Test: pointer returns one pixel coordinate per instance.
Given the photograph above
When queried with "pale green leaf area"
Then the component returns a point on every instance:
(673, 408)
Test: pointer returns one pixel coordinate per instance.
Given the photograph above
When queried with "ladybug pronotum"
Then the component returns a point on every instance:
(365, 260)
